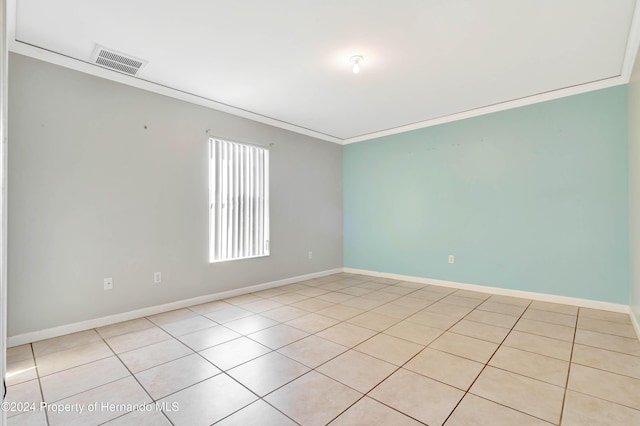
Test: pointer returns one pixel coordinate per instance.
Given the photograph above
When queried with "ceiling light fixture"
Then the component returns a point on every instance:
(355, 61)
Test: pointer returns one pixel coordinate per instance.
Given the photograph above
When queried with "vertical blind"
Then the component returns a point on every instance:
(239, 201)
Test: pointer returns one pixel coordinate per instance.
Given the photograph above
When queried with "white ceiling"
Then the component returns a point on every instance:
(286, 62)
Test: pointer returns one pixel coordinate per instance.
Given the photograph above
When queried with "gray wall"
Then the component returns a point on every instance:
(94, 194)
(634, 189)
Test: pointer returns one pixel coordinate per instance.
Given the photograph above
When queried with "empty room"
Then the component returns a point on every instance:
(299, 212)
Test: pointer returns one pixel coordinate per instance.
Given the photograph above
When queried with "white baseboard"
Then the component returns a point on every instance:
(543, 297)
(48, 333)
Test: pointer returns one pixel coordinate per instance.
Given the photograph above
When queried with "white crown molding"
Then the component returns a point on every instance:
(502, 106)
(48, 333)
(543, 297)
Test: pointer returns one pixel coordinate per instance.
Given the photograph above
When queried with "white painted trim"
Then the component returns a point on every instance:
(633, 42)
(585, 303)
(502, 106)
(35, 336)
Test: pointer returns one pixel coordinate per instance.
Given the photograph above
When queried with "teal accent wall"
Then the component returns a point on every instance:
(533, 198)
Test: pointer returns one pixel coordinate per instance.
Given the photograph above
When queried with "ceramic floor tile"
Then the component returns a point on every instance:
(388, 348)
(371, 285)
(605, 315)
(207, 308)
(580, 409)
(288, 298)
(22, 397)
(608, 327)
(398, 290)
(124, 327)
(250, 324)
(501, 308)
(447, 309)
(422, 398)
(362, 303)
(521, 393)
(509, 300)
(137, 339)
(312, 292)
(150, 416)
(258, 412)
(612, 387)
(198, 408)
(340, 312)
(555, 331)
(235, 352)
(313, 399)
(278, 336)
(431, 319)
(312, 351)
(540, 367)
(243, 299)
(29, 418)
(464, 346)
(208, 337)
(373, 321)
(79, 379)
(414, 332)
(368, 411)
(625, 345)
(481, 331)
(357, 370)
(446, 368)
(267, 373)
(472, 294)
(552, 317)
(554, 307)
(615, 362)
(312, 323)
(492, 318)
(45, 347)
(228, 314)
(152, 355)
(335, 297)
(382, 296)
(20, 371)
(175, 375)
(171, 316)
(110, 401)
(261, 305)
(313, 304)
(411, 302)
(476, 411)
(539, 344)
(455, 299)
(346, 334)
(355, 291)
(189, 325)
(73, 357)
(19, 353)
(285, 313)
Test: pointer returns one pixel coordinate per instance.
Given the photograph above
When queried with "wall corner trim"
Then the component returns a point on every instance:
(48, 333)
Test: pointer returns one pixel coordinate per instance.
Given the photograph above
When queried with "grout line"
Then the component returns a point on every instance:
(566, 383)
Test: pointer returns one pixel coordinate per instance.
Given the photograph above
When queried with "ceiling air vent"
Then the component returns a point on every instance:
(118, 61)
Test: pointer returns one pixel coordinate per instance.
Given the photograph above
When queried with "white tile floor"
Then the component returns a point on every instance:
(343, 349)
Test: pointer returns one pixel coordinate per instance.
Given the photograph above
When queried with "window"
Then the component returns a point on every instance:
(238, 201)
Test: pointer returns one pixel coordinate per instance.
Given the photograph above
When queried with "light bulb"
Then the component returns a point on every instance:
(355, 60)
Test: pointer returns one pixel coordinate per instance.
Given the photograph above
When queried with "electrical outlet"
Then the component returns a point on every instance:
(157, 277)
(451, 259)
(310, 255)
(108, 283)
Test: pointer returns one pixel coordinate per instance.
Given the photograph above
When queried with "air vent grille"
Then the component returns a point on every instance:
(118, 61)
